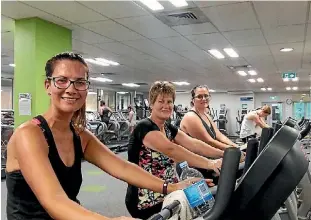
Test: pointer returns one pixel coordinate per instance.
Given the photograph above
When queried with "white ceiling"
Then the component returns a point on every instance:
(150, 50)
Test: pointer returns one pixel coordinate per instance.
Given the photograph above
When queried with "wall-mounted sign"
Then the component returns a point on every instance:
(24, 103)
(246, 99)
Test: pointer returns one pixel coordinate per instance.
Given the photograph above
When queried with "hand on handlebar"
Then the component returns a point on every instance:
(216, 166)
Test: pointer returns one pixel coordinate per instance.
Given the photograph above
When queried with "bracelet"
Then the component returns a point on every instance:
(164, 189)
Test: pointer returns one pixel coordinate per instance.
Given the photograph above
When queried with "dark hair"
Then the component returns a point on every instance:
(161, 88)
(129, 107)
(102, 103)
(79, 117)
(193, 92)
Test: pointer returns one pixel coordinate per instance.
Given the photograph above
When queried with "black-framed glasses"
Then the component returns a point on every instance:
(201, 96)
(64, 83)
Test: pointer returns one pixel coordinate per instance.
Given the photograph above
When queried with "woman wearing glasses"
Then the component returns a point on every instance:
(44, 154)
(155, 145)
(198, 124)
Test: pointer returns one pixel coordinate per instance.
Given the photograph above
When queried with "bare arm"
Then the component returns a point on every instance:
(258, 120)
(197, 146)
(131, 116)
(32, 156)
(99, 155)
(158, 142)
(220, 136)
(195, 128)
(109, 109)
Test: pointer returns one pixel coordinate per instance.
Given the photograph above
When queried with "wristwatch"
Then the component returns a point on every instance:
(164, 189)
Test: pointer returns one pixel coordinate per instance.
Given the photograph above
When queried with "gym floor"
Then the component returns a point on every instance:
(99, 192)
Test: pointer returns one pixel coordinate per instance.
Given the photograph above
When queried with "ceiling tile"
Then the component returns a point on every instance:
(285, 34)
(204, 4)
(254, 51)
(232, 17)
(148, 26)
(116, 9)
(233, 62)
(82, 34)
(272, 14)
(112, 30)
(209, 41)
(120, 49)
(298, 48)
(19, 10)
(151, 48)
(245, 38)
(91, 51)
(68, 10)
(176, 43)
(191, 29)
(198, 56)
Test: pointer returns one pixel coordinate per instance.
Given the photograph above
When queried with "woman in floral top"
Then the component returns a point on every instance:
(156, 145)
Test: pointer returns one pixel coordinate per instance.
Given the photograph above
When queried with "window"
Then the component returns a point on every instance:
(302, 109)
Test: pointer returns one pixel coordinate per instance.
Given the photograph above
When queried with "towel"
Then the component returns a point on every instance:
(184, 212)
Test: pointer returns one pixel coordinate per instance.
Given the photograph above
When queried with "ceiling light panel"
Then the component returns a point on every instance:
(251, 80)
(130, 85)
(179, 3)
(100, 79)
(242, 73)
(260, 80)
(231, 53)
(216, 54)
(152, 4)
(252, 72)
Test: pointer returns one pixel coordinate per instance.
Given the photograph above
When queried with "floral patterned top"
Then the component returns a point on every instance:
(152, 161)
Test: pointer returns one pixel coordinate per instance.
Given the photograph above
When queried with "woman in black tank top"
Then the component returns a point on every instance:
(44, 154)
(198, 123)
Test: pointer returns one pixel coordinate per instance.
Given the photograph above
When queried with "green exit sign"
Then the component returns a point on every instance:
(289, 75)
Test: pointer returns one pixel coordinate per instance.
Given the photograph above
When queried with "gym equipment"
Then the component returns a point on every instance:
(7, 128)
(222, 119)
(261, 191)
(224, 191)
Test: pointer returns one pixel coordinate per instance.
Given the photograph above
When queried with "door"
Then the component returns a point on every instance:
(276, 112)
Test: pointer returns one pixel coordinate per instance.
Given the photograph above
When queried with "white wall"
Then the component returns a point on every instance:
(233, 104)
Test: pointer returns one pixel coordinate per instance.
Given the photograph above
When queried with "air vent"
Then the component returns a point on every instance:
(182, 17)
(108, 74)
(239, 67)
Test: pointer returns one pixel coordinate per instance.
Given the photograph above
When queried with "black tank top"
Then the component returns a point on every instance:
(21, 201)
(210, 130)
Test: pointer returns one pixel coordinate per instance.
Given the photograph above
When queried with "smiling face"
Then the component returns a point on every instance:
(162, 97)
(201, 98)
(71, 99)
(163, 106)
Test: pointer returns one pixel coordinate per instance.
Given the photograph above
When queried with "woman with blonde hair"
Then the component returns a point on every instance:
(253, 123)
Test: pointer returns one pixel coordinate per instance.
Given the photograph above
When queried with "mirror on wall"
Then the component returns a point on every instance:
(108, 97)
(123, 100)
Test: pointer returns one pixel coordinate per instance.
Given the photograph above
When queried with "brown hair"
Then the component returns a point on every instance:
(266, 109)
(193, 92)
(161, 88)
(79, 118)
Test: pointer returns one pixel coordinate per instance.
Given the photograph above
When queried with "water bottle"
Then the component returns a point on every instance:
(187, 172)
(198, 194)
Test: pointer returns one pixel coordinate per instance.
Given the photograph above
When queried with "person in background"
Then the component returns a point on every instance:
(253, 122)
(44, 155)
(131, 118)
(105, 112)
(156, 145)
(198, 124)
